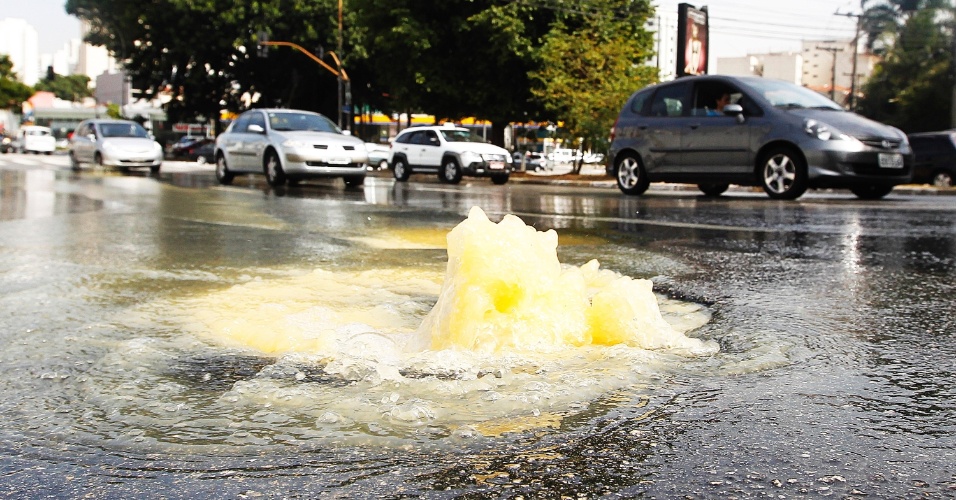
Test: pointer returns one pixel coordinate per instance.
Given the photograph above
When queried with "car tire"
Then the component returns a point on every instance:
(223, 175)
(713, 189)
(98, 159)
(382, 165)
(154, 170)
(201, 160)
(943, 179)
(400, 169)
(871, 192)
(272, 167)
(450, 172)
(354, 180)
(499, 179)
(631, 176)
(783, 174)
(74, 164)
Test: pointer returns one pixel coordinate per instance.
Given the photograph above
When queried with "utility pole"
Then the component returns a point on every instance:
(834, 51)
(856, 48)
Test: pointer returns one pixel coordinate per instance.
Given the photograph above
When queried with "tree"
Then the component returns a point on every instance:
(591, 64)
(911, 87)
(69, 88)
(202, 53)
(12, 92)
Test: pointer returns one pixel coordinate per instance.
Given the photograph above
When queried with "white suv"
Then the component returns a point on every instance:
(449, 151)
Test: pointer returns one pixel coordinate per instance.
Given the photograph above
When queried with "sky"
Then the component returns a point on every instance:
(737, 27)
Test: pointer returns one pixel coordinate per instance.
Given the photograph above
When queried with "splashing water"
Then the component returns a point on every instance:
(508, 339)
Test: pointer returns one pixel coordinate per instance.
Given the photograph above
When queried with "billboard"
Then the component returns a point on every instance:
(692, 40)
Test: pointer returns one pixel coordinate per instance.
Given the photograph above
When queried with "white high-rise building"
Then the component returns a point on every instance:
(19, 41)
(663, 26)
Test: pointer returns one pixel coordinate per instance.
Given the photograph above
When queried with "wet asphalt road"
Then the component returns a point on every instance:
(834, 316)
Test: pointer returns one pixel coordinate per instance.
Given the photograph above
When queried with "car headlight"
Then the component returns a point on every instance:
(292, 144)
(822, 131)
(109, 147)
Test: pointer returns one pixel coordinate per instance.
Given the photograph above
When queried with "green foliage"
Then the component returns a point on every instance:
(12, 92)
(589, 65)
(71, 88)
(912, 87)
(451, 58)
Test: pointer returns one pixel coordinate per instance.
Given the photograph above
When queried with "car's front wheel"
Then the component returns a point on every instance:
(783, 174)
(383, 165)
(713, 189)
(871, 192)
(154, 169)
(201, 160)
(223, 175)
(631, 177)
(400, 169)
(450, 172)
(943, 179)
(74, 163)
(499, 179)
(275, 175)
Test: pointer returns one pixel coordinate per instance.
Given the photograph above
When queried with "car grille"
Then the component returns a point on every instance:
(881, 143)
(326, 146)
(494, 157)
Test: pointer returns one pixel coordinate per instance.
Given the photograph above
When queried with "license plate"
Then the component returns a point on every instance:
(338, 161)
(891, 160)
(496, 165)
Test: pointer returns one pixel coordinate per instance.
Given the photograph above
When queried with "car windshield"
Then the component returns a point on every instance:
(460, 135)
(123, 130)
(790, 96)
(288, 122)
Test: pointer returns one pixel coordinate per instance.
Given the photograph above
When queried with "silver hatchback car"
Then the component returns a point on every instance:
(114, 143)
(714, 131)
(288, 145)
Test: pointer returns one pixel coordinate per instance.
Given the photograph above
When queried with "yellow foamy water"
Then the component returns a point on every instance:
(506, 339)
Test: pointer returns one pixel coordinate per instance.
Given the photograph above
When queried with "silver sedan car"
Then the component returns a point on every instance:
(114, 143)
(288, 145)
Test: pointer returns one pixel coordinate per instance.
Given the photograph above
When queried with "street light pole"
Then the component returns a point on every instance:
(338, 70)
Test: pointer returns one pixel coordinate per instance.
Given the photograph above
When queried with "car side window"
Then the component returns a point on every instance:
(431, 138)
(416, 138)
(257, 119)
(242, 123)
(639, 102)
(405, 138)
(711, 97)
(671, 100)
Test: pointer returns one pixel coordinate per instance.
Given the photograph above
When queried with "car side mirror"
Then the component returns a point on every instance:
(735, 110)
(256, 129)
(346, 132)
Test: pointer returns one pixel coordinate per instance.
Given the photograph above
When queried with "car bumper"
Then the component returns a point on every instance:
(829, 168)
(486, 169)
(309, 164)
(131, 161)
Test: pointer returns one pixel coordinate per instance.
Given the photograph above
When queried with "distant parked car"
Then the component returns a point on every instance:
(120, 144)
(288, 145)
(7, 144)
(935, 154)
(377, 155)
(186, 145)
(448, 151)
(774, 134)
(202, 154)
(533, 162)
(36, 139)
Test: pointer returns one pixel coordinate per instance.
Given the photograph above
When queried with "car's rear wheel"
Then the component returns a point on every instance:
(943, 179)
(713, 189)
(450, 172)
(400, 169)
(223, 175)
(631, 176)
(275, 175)
(783, 174)
(871, 192)
(201, 160)
(383, 165)
(354, 180)
(499, 179)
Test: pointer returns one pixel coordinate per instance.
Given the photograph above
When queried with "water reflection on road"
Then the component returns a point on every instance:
(834, 318)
